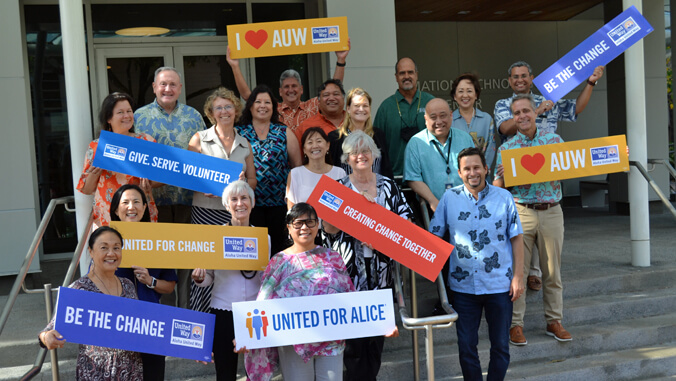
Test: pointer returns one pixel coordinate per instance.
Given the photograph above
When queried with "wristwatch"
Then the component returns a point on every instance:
(591, 83)
(153, 283)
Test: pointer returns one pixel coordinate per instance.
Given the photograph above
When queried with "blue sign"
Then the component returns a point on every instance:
(91, 318)
(605, 155)
(325, 34)
(165, 164)
(330, 201)
(597, 50)
(240, 247)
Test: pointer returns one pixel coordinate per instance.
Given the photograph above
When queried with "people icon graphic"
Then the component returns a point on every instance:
(258, 323)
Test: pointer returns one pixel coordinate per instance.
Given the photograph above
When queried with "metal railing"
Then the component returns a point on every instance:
(414, 323)
(652, 182)
(19, 282)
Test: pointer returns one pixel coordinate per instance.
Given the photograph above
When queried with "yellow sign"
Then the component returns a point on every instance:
(560, 161)
(186, 246)
(288, 37)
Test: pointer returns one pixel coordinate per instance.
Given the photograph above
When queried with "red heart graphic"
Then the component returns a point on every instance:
(533, 163)
(256, 39)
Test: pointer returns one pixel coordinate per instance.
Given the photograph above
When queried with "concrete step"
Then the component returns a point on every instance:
(588, 340)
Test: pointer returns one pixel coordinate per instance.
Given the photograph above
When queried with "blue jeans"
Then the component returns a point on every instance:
(498, 313)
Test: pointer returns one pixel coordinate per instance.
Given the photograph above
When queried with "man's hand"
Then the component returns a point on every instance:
(597, 74)
(341, 56)
(516, 289)
(231, 61)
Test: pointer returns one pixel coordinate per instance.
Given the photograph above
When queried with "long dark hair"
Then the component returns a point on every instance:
(247, 118)
(107, 107)
(115, 202)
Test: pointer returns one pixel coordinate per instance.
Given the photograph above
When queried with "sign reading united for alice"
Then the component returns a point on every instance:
(164, 164)
(187, 246)
(288, 37)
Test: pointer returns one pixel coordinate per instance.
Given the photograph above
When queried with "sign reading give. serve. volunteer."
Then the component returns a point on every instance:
(187, 246)
(311, 319)
(92, 318)
(288, 37)
(565, 160)
(399, 239)
(164, 164)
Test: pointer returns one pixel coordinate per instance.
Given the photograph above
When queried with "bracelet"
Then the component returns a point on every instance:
(590, 83)
(340, 64)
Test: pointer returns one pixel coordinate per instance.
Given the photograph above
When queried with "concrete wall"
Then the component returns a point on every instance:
(18, 204)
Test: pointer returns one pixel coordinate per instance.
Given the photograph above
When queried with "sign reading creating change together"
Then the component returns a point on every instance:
(288, 37)
(597, 50)
(187, 246)
(311, 319)
(399, 239)
(565, 160)
(165, 164)
(91, 318)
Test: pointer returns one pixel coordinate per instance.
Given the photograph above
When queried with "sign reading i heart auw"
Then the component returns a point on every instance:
(288, 37)
(569, 160)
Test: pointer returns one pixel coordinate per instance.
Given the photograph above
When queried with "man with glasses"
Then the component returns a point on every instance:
(172, 123)
(431, 155)
(401, 115)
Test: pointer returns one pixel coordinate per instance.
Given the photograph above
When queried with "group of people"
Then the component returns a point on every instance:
(448, 158)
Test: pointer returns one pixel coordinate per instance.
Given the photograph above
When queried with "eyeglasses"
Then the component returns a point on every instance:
(224, 108)
(310, 223)
(364, 152)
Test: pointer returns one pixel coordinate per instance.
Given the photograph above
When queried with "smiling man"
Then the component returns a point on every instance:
(486, 265)
(331, 109)
(542, 221)
(431, 155)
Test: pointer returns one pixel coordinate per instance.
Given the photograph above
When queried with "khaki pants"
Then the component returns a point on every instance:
(543, 229)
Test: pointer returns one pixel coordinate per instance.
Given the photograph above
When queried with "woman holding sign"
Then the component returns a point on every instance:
(304, 269)
(116, 115)
(223, 108)
(276, 151)
(230, 286)
(129, 204)
(98, 363)
(368, 268)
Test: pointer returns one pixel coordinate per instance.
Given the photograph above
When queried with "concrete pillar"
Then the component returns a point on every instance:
(77, 99)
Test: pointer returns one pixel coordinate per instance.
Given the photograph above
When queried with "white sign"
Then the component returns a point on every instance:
(311, 319)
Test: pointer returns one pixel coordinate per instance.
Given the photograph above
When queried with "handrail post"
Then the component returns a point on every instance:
(414, 337)
(49, 307)
(429, 349)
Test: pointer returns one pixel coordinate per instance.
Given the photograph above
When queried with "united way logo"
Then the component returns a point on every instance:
(187, 334)
(240, 248)
(330, 201)
(325, 34)
(622, 32)
(115, 152)
(257, 323)
(605, 155)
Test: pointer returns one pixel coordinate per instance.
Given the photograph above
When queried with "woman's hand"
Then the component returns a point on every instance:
(368, 196)
(367, 245)
(52, 339)
(242, 176)
(146, 185)
(394, 333)
(211, 195)
(231, 61)
(240, 350)
(142, 275)
(198, 275)
(204, 362)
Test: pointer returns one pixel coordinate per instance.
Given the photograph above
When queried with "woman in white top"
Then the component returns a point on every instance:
(230, 286)
(316, 162)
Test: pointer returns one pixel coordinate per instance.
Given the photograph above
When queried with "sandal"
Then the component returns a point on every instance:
(534, 282)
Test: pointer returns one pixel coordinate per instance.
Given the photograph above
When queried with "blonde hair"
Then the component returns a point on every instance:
(345, 129)
(224, 93)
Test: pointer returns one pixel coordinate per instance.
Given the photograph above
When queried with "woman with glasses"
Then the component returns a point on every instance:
(223, 108)
(368, 268)
(359, 119)
(303, 269)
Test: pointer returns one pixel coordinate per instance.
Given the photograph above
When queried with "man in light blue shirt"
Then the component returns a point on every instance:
(431, 154)
(486, 266)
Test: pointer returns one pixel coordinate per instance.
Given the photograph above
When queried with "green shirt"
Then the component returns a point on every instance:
(392, 119)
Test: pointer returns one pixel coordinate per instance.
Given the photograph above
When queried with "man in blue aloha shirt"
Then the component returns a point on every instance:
(486, 271)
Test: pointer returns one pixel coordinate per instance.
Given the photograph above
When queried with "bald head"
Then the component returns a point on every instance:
(438, 119)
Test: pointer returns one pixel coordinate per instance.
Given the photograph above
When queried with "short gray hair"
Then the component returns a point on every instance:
(237, 187)
(523, 96)
(519, 64)
(167, 68)
(290, 73)
(356, 140)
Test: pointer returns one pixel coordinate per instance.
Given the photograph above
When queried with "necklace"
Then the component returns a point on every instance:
(363, 187)
(104, 284)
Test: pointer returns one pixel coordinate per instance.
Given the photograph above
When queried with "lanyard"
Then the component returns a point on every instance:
(446, 157)
(415, 118)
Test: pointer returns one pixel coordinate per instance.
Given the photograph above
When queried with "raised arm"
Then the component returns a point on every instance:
(585, 94)
(240, 82)
(341, 58)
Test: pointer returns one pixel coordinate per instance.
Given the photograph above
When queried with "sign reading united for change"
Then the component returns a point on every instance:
(565, 160)
(164, 164)
(600, 48)
(399, 239)
(311, 319)
(92, 318)
(288, 37)
(187, 246)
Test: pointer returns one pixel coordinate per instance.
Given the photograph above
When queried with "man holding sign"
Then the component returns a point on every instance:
(542, 221)
(486, 265)
(548, 113)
